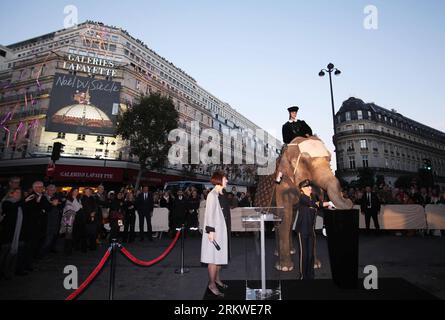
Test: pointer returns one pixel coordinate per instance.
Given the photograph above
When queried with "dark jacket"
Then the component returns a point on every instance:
(298, 128)
(179, 209)
(89, 205)
(144, 206)
(129, 208)
(164, 204)
(116, 209)
(375, 203)
(307, 213)
(7, 226)
(34, 216)
(193, 204)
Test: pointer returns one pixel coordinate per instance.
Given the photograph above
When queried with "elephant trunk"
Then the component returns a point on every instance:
(336, 197)
(324, 178)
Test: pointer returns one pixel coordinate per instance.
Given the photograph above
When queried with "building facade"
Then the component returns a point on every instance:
(385, 141)
(51, 83)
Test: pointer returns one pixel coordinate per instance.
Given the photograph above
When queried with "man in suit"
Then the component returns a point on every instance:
(292, 129)
(144, 206)
(370, 206)
(34, 223)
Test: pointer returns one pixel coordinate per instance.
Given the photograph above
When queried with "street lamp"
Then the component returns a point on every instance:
(106, 149)
(331, 68)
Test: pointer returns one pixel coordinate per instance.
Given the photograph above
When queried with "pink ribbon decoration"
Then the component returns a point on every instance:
(3, 122)
(34, 125)
(17, 131)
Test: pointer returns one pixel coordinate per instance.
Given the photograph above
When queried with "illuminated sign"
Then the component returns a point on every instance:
(90, 65)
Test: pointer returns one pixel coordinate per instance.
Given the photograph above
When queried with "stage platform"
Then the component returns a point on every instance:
(325, 289)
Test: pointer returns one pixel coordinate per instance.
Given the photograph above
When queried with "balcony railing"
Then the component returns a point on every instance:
(389, 135)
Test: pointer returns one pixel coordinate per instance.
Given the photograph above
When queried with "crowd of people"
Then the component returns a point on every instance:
(389, 195)
(33, 220)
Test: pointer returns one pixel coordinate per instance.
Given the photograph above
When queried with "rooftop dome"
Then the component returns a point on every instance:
(82, 115)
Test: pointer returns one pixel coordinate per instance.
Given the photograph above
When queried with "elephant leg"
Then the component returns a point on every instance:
(285, 262)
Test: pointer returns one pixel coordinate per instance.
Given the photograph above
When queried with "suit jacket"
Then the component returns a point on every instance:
(375, 203)
(144, 205)
(307, 213)
(298, 128)
(34, 216)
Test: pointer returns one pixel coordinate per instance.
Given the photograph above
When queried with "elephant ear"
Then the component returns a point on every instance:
(285, 165)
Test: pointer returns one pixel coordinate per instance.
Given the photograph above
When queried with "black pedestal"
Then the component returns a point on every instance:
(342, 231)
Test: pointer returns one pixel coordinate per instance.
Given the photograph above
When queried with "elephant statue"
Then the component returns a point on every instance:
(304, 158)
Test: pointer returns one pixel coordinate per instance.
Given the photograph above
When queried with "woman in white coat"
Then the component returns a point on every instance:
(216, 233)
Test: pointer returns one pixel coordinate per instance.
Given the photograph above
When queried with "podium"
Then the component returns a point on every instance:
(342, 232)
(262, 279)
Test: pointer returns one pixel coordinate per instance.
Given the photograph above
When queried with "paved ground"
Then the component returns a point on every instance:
(419, 260)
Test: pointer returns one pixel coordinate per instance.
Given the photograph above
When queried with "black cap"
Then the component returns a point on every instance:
(304, 183)
(293, 108)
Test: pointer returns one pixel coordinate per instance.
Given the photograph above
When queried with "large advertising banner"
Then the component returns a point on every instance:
(83, 105)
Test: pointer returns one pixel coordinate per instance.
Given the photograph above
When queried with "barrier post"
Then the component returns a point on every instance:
(181, 269)
(114, 244)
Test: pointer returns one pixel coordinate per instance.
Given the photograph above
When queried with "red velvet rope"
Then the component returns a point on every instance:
(90, 278)
(149, 263)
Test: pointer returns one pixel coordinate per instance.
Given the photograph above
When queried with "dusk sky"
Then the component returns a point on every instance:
(263, 56)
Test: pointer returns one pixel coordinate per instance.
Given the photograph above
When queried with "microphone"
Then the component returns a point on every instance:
(216, 245)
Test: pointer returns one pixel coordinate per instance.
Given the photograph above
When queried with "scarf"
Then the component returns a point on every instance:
(18, 228)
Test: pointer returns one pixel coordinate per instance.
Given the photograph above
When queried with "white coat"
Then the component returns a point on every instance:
(214, 218)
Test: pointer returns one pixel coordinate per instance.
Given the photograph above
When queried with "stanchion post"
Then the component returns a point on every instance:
(181, 269)
(112, 269)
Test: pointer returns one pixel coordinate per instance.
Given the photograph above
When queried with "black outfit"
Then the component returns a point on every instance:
(244, 202)
(192, 216)
(10, 262)
(179, 211)
(168, 203)
(165, 203)
(89, 205)
(305, 228)
(129, 220)
(116, 214)
(370, 206)
(52, 227)
(34, 226)
(225, 206)
(102, 204)
(144, 206)
(294, 129)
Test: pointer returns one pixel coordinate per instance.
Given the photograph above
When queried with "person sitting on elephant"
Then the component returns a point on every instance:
(292, 129)
(305, 227)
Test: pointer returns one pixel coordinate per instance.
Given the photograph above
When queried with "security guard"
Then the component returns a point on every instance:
(292, 129)
(305, 227)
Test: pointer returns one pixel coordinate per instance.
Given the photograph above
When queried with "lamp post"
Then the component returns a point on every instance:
(106, 150)
(331, 68)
